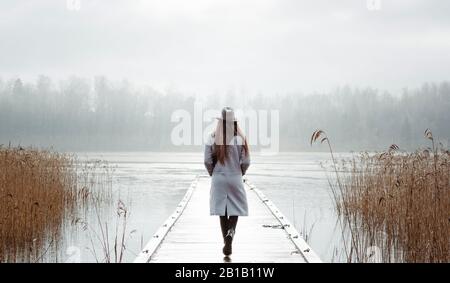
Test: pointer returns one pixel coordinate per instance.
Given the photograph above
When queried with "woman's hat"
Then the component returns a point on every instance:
(228, 115)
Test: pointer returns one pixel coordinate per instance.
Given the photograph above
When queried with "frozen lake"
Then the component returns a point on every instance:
(151, 185)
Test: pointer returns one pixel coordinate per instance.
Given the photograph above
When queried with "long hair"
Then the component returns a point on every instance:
(224, 134)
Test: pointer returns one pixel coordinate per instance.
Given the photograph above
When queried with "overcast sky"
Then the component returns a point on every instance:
(203, 46)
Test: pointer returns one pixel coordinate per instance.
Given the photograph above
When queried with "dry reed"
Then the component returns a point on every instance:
(112, 246)
(394, 205)
(39, 189)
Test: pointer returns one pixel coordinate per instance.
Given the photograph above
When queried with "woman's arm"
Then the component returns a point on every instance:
(244, 161)
(209, 159)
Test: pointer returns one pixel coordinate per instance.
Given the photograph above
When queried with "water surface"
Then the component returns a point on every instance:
(151, 185)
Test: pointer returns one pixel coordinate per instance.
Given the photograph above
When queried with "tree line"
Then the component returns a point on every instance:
(100, 114)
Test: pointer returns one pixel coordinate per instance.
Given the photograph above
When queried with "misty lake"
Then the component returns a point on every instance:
(151, 185)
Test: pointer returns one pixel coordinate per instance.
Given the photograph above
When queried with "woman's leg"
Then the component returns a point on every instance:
(224, 225)
(232, 222)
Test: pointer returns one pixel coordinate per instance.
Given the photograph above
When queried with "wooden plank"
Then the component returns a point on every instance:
(153, 244)
(305, 250)
(192, 235)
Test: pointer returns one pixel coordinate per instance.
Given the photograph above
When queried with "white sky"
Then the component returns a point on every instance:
(203, 46)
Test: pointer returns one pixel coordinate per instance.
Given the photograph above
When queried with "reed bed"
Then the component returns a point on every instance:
(39, 191)
(109, 241)
(394, 206)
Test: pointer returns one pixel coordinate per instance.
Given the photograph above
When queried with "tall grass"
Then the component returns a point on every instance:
(112, 246)
(394, 205)
(39, 189)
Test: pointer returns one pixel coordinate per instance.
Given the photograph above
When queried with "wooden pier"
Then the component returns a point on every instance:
(190, 234)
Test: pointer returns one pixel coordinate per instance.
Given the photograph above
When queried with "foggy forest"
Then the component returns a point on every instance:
(84, 114)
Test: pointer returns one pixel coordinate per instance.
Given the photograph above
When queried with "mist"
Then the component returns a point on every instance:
(107, 75)
(99, 114)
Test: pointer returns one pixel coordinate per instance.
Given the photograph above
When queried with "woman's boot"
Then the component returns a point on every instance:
(227, 249)
(232, 222)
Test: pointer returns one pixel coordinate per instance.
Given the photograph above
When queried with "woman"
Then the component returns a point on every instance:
(227, 159)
